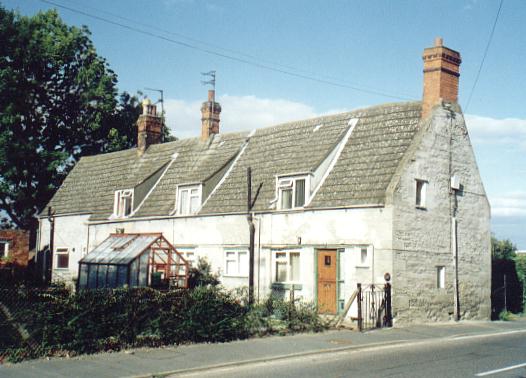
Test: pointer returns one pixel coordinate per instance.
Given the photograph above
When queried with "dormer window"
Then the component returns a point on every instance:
(188, 199)
(292, 192)
(123, 206)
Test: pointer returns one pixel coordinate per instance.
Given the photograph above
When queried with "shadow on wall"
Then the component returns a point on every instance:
(506, 289)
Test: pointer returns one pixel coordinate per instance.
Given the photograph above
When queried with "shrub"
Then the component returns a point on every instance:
(59, 322)
(275, 315)
(202, 275)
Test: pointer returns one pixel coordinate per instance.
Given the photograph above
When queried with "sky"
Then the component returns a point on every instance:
(278, 61)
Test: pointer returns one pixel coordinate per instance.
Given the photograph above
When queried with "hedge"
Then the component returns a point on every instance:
(37, 322)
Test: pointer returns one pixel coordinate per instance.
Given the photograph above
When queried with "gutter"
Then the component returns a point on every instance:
(243, 213)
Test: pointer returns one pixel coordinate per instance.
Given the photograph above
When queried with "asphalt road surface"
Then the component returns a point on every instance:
(502, 355)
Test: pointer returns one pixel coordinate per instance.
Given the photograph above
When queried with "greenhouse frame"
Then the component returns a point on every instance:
(133, 260)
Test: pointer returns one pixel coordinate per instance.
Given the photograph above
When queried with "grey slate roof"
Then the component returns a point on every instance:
(359, 177)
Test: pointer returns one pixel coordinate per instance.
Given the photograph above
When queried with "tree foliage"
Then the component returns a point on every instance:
(508, 269)
(502, 249)
(58, 102)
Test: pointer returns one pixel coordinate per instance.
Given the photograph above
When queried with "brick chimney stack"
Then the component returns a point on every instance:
(210, 111)
(150, 127)
(441, 73)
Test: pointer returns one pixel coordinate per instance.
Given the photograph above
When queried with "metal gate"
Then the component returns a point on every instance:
(374, 306)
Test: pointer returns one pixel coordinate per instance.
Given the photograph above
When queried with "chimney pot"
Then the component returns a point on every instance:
(441, 76)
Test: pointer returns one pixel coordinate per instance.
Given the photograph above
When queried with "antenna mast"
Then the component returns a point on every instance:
(212, 81)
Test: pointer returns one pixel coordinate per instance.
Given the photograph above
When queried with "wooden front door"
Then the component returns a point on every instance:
(327, 281)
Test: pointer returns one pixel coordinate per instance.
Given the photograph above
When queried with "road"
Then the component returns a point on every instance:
(496, 355)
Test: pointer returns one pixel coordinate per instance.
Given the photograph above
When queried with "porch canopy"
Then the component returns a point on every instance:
(135, 260)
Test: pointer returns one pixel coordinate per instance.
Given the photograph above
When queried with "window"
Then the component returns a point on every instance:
(421, 188)
(188, 199)
(4, 248)
(286, 266)
(189, 255)
(363, 255)
(123, 203)
(291, 192)
(62, 258)
(441, 277)
(236, 263)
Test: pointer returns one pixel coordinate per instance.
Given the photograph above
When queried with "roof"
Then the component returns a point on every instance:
(360, 176)
(120, 249)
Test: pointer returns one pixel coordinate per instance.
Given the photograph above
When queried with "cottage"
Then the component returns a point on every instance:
(343, 199)
(14, 248)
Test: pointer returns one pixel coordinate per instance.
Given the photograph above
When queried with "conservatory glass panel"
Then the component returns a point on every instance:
(112, 276)
(83, 276)
(143, 272)
(133, 273)
(122, 275)
(102, 276)
(92, 278)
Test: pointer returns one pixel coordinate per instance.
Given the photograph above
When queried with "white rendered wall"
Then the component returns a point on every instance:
(209, 236)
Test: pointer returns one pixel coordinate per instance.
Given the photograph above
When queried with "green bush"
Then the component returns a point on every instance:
(275, 315)
(59, 322)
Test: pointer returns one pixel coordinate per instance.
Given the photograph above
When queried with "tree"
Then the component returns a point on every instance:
(58, 102)
(507, 278)
(502, 249)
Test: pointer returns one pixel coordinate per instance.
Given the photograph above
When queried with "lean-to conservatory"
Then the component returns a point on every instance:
(133, 260)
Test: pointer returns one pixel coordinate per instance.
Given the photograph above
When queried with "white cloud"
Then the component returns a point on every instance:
(486, 130)
(511, 204)
(238, 113)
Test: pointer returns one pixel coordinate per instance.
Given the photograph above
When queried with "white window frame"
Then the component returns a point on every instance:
(441, 277)
(421, 193)
(188, 188)
(287, 260)
(238, 263)
(60, 251)
(4, 245)
(289, 182)
(119, 210)
(189, 255)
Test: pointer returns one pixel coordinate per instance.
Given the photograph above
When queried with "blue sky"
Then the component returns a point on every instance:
(375, 46)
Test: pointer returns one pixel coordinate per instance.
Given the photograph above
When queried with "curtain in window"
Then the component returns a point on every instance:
(183, 202)
(281, 267)
(294, 266)
(299, 200)
(286, 198)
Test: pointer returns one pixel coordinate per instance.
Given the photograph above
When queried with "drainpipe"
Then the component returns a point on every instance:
(258, 220)
(49, 269)
(252, 231)
(453, 204)
(454, 247)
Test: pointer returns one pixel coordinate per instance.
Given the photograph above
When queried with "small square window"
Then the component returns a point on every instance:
(123, 206)
(363, 256)
(236, 263)
(62, 258)
(328, 260)
(421, 189)
(287, 266)
(188, 199)
(292, 192)
(441, 277)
